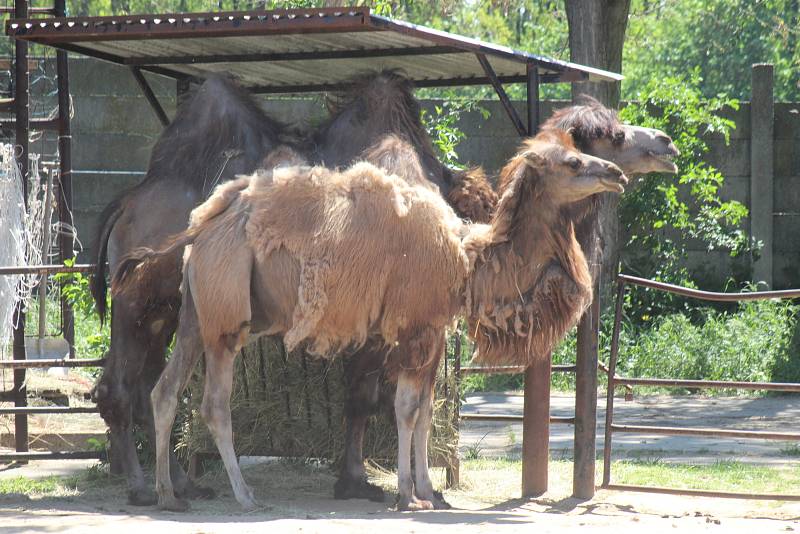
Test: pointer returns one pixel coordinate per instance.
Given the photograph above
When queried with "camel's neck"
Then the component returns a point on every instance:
(515, 251)
(529, 284)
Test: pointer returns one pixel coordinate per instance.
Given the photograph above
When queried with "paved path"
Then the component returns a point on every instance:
(779, 414)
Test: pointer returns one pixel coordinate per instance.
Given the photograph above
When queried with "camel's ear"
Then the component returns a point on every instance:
(535, 161)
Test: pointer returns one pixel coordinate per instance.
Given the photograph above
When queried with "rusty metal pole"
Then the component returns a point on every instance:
(536, 411)
(22, 116)
(66, 235)
(612, 372)
(536, 427)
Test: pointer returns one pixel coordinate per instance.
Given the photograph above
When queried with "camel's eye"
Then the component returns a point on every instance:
(574, 162)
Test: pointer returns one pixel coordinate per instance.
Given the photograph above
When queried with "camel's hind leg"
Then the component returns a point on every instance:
(424, 486)
(216, 410)
(165, 396)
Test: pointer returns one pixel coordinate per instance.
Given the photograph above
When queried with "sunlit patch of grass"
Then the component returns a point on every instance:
(52, 486)
(93, 479)
(724, 475)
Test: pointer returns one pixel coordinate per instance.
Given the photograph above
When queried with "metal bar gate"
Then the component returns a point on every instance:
(614, 380)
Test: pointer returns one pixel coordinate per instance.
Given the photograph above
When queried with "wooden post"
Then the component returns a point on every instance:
(586, 399)
(536, 427)
(761, 169)
(536, 410)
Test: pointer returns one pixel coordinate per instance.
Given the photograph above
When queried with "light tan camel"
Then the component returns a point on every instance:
(331, 259)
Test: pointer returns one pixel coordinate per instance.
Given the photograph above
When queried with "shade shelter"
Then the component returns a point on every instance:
(312, 50)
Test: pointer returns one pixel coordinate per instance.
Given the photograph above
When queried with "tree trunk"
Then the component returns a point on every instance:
(596, 36)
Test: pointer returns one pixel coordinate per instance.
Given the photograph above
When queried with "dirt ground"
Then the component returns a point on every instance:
(297, 498)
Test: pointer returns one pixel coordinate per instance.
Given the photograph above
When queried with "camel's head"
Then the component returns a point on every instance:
(556, 169)
(597, 130)
(638, 150)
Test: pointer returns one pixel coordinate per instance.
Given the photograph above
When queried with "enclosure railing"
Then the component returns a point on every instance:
(18, 395)
(614, 380)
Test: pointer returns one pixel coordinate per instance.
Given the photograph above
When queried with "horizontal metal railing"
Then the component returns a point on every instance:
(613, 381)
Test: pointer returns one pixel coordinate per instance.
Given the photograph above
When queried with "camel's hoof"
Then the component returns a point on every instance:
(142, 497)
(413, 504)
(174, 504)
(438, 501)
(193, 491)
(359, 488)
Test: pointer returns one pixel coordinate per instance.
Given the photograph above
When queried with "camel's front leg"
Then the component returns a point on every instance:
(363, 371)
(216, 410)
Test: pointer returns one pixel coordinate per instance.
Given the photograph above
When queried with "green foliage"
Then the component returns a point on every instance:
(441, 125)
(91, 339)
(758, 341)
(720, 38)
(664, 213)
(753, 343)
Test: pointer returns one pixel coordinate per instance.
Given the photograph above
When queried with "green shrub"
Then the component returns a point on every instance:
(752, 343)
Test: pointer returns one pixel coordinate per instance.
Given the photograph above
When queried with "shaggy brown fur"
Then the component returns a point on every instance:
(388, 261)
(522, 300)
(587, 122)
(383, 103)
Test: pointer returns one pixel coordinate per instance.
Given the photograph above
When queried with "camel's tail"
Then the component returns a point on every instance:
(99, 289)
(139, 259)
(125, 276)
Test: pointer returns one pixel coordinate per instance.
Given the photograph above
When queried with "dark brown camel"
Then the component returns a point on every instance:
(252, 270)
(215, 135)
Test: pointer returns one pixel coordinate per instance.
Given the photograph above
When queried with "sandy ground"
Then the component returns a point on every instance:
(297, 500)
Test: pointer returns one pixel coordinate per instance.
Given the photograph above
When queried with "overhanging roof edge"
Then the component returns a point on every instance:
(68, 33)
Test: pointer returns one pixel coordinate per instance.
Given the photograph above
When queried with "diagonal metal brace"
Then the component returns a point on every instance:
(150, 96)
(502, 95)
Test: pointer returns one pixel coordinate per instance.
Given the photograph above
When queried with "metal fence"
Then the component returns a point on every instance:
(18, 395)
(614, 380)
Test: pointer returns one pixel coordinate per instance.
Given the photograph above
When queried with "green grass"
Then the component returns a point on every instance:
(483, 480)
(494, 479)
(724, 475)
(93, 479)
(51, 486)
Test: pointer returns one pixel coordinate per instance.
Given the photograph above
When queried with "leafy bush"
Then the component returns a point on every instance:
(753, 343)
(664, 213)
(757, 342)
(441, 126)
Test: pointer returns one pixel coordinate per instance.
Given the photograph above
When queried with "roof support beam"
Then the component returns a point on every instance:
(532, 93)
(293, 56)
(502, 95)
(150, 96)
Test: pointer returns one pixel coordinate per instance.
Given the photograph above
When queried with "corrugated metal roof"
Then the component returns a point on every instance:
(292, 50)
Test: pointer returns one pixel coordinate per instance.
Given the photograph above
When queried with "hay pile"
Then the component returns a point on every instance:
(292, 405)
